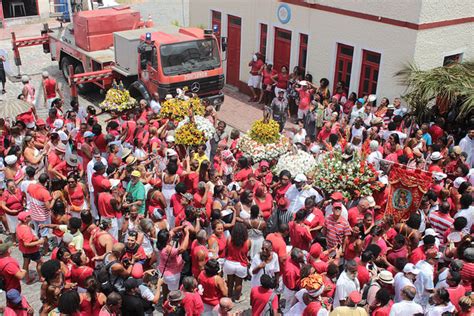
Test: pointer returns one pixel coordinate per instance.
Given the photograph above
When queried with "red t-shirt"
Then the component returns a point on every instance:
(417, 254)
(242, 174)
(363, 274)
(132, 126)
(291, 274)
(198, 205)
(314, 219)
(8, 268)
(384, 310)
(282, 81)
(104, 206)
(192, 304)
(25, 234)
(305, 98)
(256, 66)
(312, 309)
(300, 237)
(279, 246)
(455, 293)
(398, 253)
(175, 203)
(259, 297)
(50, 87)
(80, 274)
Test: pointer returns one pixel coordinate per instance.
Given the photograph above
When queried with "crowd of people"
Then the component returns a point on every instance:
(117, 218)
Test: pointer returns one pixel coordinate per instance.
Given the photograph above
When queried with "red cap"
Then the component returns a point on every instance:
(40, 122)
(284, 202)
(264, 163)
(355, 297)
(337, 196)
(315, 250)
(337, 204)
(23, 215)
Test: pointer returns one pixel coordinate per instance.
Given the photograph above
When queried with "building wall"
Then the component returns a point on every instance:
(397, 45)
(43, 8)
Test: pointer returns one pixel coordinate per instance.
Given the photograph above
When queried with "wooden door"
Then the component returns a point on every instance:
(282, 48)
(234, 25)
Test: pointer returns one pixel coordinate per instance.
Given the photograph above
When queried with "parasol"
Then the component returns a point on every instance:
(12, 108)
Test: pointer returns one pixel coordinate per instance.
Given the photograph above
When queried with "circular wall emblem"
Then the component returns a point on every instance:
(195, 87)
(284, 13)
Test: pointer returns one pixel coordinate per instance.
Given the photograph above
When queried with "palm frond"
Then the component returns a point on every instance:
(454, 84)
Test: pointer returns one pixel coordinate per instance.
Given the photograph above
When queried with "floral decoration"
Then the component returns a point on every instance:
(194, 131)
(259, 152)
(295, 163)
(118, 99)
(265, 131)
(177, 109)
(353, 179)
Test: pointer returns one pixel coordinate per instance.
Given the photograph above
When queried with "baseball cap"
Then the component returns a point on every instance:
(170, 139)
(355, 297)
(337, 196)
(458, 181)
(23, 215)
(88, 134)
(410, 268)
(284, 202)
(170, 152)
(300, 178)
(131, 283)
(14, 296)
(315, 250)
(336, 204)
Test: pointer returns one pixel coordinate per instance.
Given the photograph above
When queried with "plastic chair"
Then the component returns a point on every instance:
(17, 4)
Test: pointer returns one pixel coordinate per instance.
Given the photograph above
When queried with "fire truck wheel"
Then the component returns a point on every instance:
(65, 62)
(86, 87)
(139, 91)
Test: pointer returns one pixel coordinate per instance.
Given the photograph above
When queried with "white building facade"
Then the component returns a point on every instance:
(360, 42)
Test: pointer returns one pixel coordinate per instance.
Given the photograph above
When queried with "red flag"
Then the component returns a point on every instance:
(407, 187)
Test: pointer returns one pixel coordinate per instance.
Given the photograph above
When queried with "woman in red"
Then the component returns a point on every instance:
(12, 203)
(244, 169)
(279, 189)
(214, 286)
(64, 257)
(217, 241)
(235, 266)
(92, 300)
(281, 80)
(156, 200)
(88, 228)
(264, 200)
(267, 85)
(76, 195)
(80, 270)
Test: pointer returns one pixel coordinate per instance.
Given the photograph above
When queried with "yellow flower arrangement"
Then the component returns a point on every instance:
(118, 99)
(177, 109)
(189, 135)
(265, 132)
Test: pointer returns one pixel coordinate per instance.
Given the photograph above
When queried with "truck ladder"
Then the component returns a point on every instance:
(86, 77)
(32, 41)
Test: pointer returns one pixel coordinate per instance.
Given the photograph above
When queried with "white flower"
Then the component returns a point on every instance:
(202, 124)
(301, 162)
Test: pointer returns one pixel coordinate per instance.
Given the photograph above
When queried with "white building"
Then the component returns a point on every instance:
(361, 42)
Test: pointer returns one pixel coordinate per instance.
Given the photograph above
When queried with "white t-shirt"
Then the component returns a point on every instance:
(424, 282)
(400, 281)
(468, 213)
(23, 188)
(344, 287)
(432, 310)
(405, 308)
(271, 268)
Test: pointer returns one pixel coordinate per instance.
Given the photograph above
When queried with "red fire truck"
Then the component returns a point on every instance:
(100, 46)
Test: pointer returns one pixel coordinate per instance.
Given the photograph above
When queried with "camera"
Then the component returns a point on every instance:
(178, 236)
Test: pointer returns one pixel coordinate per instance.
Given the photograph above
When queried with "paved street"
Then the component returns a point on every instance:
(235, 111)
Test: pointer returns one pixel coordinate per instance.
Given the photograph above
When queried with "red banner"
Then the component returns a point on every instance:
(407, 187)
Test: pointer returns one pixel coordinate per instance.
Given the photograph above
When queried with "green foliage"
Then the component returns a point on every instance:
(453, 83)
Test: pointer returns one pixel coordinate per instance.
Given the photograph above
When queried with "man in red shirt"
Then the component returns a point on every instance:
(419, 253)
(98, 178)
(261, 295)
(291, 277)
(10, 269)
(256, 67)
(356, 214)
(300, 235)
(56, 169)
(51, 89)
(28, 243)
(323, 135)
(279, 245)
(192, 301)
(455, 289)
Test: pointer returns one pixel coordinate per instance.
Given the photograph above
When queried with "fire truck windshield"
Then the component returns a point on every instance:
(187, 57)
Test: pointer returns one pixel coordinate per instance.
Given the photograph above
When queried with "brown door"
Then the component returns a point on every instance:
(282, 48)
(234, 25)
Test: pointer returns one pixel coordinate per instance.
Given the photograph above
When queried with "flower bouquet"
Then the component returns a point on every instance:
(295, 162)
(354, 178)
(177, 109)
(263, 141)
(193, 131)
(118, 99)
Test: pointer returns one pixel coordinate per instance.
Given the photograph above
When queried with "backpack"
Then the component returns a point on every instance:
(268, 309)
(102, 274)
